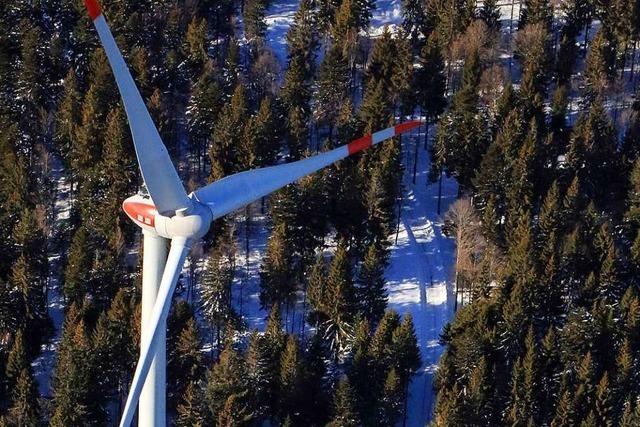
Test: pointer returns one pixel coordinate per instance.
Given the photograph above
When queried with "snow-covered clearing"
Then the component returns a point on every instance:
(420, 271)
(43, 365)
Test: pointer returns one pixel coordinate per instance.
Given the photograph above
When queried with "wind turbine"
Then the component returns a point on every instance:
(171, 214)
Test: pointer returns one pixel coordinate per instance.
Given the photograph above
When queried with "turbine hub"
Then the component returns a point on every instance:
(192, 222)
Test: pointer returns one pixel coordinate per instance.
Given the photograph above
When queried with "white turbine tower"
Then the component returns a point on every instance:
(172, 214)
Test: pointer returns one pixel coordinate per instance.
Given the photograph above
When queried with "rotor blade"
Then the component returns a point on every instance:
(159, 174)
(158, 318)
(234, 191)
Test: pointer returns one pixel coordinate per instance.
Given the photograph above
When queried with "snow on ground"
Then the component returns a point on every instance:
(387, 12)
(418, 275)
(43, 365)
(279, 17)
(420, 271)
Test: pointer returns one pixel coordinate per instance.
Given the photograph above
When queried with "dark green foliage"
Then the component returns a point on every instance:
(344, 411)
(490, 14)
(255, 27)
(430, 79)
(371, 293)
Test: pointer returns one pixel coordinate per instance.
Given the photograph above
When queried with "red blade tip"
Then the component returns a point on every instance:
(93, 8)
(405, 126)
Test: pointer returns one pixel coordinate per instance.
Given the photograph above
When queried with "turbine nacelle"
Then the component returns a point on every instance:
(189, 223)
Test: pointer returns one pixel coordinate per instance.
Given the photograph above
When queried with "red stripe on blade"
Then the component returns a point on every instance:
(93, 8)
(403, 127)
(359, 144)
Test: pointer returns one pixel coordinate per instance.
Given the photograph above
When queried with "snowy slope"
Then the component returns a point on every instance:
(420, 271)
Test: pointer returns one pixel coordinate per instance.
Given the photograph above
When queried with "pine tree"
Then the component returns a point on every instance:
(266, 133)
(371, 292)
(262, 368)
(190, 407)
(376, 109)
(430, 80)
(216, 293)
(227, 378)
(341, 303)
(291, 374)
(302, 38)
(72, 378)
(344, 409)
(633, 198)
(603, 402)
(462, 139)
(402, 78)
(592, 149)
(296, 95)
(187, 366)
(17, 360)
(333, 84)
(392, 397)
(382, 61)
(316, 291)
(203, 108)
(68, 116)
(255, 26)
(600, 64)
(195, 45)
(490, 14)
(406, 353)
(235, 412)
(536, 12)
(564, 415)
(25, 409)
(277, 285)
(525, 397)
(226, 138)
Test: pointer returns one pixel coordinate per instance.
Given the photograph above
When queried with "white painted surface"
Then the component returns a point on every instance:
(152, 406)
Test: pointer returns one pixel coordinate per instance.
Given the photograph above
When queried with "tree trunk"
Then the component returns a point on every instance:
(415, 161)
(426, 135)
(633, 60)
(399, 213)
(439, 192)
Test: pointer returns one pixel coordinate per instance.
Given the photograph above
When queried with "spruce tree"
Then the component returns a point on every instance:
(16, 361)
(382, 61)
(490, 14)
(431, 82)
(188, 365)
(302, 38)
(341, 303)
(255, 26)
(291, 375)
(536, 12)
(68, 116)
(189, 410)
(227, 378)
(216, 294)
(25, 408)
(72, 378)
(262, 368)
(333, 84)
(600, 64)
(371, 293)
(276, 278)
(392, 397)
(226, 138)
(344, 410)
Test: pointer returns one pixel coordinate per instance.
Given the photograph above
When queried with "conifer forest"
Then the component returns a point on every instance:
(514, 302)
